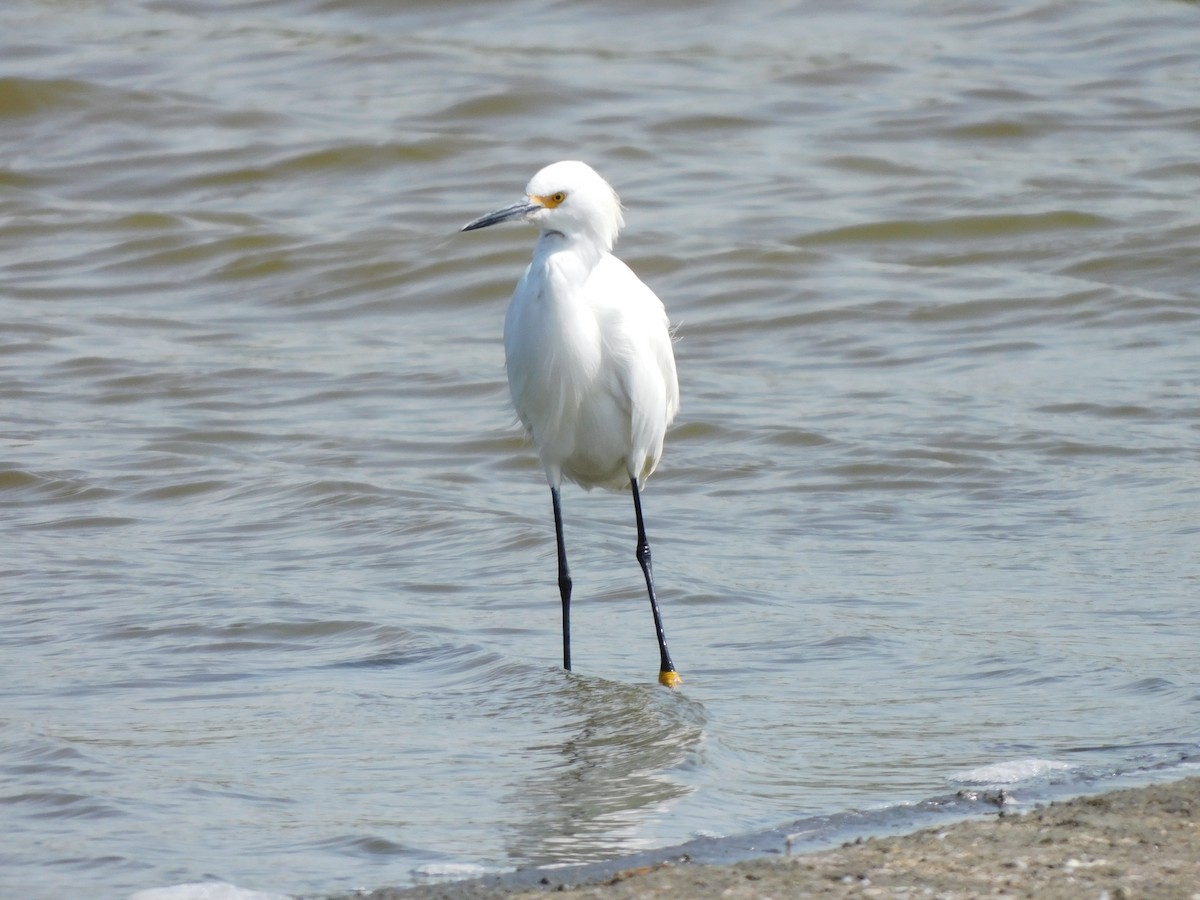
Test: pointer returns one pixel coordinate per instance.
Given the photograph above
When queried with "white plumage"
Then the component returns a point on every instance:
(588, 352)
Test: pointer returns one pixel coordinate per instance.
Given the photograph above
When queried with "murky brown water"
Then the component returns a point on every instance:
(279, 595)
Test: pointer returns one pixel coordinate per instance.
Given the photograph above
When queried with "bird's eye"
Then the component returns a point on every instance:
(550, 201)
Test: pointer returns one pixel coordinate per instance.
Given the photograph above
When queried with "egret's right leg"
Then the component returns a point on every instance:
(564, 579)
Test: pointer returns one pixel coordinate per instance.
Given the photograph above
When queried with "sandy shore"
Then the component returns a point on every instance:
(1134, 843)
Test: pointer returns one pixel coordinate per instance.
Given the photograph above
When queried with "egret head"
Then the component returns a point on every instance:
(568, 197)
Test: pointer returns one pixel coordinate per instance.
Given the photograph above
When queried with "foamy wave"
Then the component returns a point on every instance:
(450, 871)
(1010, 772)
(211, 890)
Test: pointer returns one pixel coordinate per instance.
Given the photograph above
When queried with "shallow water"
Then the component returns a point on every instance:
(280, 602)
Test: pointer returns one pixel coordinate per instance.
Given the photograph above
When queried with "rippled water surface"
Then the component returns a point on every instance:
(279, 596)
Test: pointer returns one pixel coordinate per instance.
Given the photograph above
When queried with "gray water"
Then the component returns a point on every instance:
(279, 599)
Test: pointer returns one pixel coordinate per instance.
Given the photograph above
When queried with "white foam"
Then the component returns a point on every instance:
(208, 890)
(451, 871)
(1010, 772)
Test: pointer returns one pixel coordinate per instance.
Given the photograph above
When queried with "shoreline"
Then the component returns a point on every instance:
(1130, 842)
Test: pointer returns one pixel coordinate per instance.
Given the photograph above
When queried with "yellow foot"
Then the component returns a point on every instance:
(669, 679)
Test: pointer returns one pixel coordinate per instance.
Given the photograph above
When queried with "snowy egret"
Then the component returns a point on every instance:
(588, 351)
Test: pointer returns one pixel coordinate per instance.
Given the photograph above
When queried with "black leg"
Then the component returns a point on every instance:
(564, 579)
(666, 670)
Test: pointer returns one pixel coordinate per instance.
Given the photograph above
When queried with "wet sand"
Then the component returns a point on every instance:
(1138, 842)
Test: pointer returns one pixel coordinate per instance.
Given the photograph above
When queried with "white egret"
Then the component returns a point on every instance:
(588, 351)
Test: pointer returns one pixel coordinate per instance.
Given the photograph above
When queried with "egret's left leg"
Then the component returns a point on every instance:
(666, 670)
